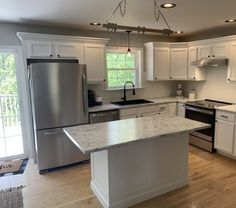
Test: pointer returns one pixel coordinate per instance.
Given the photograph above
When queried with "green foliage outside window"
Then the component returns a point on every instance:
(7, 74)
(120, 68)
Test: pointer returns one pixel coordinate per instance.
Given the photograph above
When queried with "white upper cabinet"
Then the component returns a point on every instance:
(178, 63)
(162, 63)
(232, 62)
(65, 50)
(194, 73)
(45, 49)
(217, 50)
(40, 49)
(89, 51)
(157, 61)
(204, 51)
(220, 50)
(94, 57)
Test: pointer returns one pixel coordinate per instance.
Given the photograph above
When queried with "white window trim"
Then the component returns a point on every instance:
(139, 65)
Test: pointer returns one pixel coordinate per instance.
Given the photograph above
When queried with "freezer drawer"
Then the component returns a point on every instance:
(55, 149)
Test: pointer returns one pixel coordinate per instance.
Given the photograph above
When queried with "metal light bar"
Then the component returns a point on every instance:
(114, 27)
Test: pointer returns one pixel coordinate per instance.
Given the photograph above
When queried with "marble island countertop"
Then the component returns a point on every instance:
(102, 136)
(227, 108)
(109, 106)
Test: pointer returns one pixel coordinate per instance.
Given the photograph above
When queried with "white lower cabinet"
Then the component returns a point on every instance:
(181, 110)
(225, 137)
(129, 113)
(172, 109)
(151, 110)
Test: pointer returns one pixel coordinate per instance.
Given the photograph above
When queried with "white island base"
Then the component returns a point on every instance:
(132, 173)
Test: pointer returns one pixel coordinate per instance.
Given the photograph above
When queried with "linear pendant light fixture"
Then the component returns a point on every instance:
(122, 7)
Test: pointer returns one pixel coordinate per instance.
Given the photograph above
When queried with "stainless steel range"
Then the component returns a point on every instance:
(203, 111)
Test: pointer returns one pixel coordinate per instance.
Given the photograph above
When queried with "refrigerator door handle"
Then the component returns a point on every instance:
(83, 91)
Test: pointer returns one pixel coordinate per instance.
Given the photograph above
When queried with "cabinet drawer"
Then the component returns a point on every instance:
(160, 108)
(225, 116)
(147, 109)
(129, 112)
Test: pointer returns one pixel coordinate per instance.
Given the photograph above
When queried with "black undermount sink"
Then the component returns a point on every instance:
(132, 102)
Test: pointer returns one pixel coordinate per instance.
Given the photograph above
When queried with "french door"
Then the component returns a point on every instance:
(12, 141)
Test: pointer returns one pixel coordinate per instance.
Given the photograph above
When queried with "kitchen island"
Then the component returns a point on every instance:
(136, 159)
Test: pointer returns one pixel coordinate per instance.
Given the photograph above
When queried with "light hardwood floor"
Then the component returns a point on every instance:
(212, 184)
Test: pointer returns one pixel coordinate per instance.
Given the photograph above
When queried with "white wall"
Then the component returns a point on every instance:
(216, 86)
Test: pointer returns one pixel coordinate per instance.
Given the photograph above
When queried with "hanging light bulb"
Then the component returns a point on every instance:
(129, 52)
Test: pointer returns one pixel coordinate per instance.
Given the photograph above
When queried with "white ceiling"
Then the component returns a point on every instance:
(189, 15)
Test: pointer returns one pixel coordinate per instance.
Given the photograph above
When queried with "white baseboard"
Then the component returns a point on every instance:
(138, 198)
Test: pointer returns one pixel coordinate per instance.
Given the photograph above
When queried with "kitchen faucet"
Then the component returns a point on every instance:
(128, 82)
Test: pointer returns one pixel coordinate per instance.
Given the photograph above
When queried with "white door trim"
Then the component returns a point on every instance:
(24, 102)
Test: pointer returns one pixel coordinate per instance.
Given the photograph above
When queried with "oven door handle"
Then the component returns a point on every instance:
(200, 110)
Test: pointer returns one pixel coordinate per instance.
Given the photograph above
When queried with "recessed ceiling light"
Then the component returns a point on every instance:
(95, 24)
(230, 20)
(179, 32)
(168, 5)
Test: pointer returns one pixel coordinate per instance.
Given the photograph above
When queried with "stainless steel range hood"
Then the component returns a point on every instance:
(210, 62)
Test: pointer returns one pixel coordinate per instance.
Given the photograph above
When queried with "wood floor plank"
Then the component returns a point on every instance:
(212, 184)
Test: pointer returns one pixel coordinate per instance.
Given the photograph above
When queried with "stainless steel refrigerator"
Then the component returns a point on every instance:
(59, 99)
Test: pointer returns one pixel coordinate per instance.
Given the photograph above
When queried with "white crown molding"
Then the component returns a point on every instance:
(49, 37)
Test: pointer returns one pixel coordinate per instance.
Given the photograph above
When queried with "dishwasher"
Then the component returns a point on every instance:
(103, 116)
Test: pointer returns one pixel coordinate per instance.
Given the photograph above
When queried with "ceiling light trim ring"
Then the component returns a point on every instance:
(170, 5)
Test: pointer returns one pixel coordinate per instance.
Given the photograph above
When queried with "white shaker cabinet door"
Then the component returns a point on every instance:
(65, 50)
(94, 58)
(224, 136)
(181, 110)
(179, 63)
(162, 63)
(40, 49)
(204, 51)
(232, 62)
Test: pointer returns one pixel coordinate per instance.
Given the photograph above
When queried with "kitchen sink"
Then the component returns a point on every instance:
(132, 102)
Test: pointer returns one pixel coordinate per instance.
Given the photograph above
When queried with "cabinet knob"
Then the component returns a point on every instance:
(194, 77)
(136, 116)
(171, 77)
(155, 78)
(141, 115)
(50, 55)
(208, 56)
(228, 79)
(213, 56)
(104, 80)
(58, 55)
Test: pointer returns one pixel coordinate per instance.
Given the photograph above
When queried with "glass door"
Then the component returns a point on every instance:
(11, 138)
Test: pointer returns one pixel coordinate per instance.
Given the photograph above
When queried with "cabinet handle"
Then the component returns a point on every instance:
(224, 116)
(58, 55)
